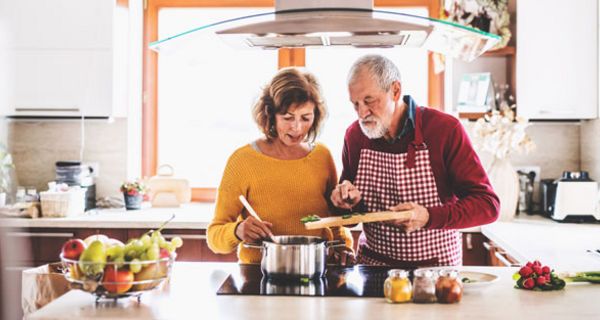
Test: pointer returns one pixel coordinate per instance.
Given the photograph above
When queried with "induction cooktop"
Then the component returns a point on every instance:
(357, 281)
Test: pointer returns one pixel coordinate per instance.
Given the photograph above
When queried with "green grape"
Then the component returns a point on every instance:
(143, 257)
(119, 261)
(135, 266)
(153, 252)
(177, 242)
(170, 246)
(146, 240)
(156, 236)
(114, 251)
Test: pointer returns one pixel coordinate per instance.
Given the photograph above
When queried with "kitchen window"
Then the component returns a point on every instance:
(203, 104)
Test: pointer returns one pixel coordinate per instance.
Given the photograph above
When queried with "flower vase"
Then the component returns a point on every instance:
(133, 202)
(505, 181)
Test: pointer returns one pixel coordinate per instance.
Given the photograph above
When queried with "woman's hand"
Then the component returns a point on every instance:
(342, 256)
(251, 230)
(345, 195)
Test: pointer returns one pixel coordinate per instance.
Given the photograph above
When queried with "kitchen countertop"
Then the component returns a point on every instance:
(562, 246)
(191, 295)
(188, 216)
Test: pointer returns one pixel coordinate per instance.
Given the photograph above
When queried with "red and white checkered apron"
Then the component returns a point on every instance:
(385, 180)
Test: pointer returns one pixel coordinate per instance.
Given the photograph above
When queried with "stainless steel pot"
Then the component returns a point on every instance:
(294, 256)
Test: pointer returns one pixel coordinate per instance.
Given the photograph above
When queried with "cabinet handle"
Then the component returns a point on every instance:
(186, 236)
(504, 260)
(469, 241)
(40, 234)
(487, 246)
(27, 109)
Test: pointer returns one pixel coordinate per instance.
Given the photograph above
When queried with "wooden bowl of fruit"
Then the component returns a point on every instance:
(108, 268)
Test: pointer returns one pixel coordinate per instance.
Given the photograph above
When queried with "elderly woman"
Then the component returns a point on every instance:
(284, 175)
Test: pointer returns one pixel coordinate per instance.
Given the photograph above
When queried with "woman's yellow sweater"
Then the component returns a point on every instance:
(280, 191)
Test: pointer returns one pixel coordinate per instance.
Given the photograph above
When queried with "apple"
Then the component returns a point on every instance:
(164, 253)
(73, 248)
(117, 281)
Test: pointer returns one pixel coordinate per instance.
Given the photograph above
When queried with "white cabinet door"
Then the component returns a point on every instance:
(63, 58)
(557, 59)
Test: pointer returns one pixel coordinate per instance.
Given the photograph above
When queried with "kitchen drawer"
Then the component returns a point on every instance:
(474, 253)
(38, 246)
(497, 257)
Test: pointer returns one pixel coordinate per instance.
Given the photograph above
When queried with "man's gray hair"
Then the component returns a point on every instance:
(383, 70)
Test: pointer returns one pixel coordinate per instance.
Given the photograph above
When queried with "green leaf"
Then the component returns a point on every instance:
(516, 276)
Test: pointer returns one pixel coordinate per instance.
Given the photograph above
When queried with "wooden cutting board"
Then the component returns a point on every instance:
(358, 218)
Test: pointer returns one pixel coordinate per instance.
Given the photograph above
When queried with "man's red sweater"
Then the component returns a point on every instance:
(465, 192)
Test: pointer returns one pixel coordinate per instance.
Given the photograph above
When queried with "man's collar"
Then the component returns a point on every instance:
(409, 121)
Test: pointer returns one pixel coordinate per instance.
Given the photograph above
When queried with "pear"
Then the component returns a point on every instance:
(93, 258)
(101, 237)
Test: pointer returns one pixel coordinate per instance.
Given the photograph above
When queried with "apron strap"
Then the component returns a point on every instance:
(417, 143)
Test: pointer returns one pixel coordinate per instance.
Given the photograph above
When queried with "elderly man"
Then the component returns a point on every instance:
(400, 156)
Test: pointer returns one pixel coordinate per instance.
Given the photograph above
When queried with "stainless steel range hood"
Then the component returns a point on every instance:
(340, 23)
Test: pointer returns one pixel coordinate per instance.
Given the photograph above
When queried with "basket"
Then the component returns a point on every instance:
(62, 204)
(151, 276)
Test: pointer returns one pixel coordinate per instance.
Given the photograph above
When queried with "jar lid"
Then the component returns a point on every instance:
(400, 273)
(427, 273)
(451, 273)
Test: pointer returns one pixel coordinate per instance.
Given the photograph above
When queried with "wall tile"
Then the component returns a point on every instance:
(37, 145)
(590, 148)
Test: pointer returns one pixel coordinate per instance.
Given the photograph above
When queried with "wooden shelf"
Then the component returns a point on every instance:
(503, 52)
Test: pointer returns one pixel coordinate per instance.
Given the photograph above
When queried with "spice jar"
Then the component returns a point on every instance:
(424, 286)
(448, 288)
(397, 288)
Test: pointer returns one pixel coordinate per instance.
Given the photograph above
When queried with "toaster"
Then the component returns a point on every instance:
(573, 198)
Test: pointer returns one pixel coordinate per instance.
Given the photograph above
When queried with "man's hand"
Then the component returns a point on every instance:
(345, 195)
(342, 256)
(251, 230)
(417, 220)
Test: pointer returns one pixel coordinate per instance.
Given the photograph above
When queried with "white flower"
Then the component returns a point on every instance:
(501, 133)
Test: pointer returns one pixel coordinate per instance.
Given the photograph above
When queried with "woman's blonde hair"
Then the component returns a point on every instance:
(289, 86)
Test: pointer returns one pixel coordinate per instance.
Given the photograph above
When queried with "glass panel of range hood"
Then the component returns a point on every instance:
(333, 27)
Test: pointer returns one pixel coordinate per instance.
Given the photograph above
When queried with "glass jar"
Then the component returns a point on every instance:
(424, 286)
(397, 287)
(448, 288)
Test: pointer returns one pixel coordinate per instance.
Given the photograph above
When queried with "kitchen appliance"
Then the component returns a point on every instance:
(572, 198)
(76, 173)
(339, 281)
(336, 23)
(526, 180)
(294, 257)
(167, 191)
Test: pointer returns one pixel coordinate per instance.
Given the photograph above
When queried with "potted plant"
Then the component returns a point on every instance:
(133, 192)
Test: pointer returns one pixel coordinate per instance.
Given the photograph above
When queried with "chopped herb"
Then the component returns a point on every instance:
(467, 280)
(304, 280)
(347, 216)
(311, 218)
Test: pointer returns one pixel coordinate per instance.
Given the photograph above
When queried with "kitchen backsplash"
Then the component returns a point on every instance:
(37, 145)
(590, 147)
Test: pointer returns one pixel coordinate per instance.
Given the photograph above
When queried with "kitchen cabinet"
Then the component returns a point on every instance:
(61, 58)
(557, 59)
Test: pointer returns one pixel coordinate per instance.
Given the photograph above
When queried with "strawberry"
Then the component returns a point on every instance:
(545, 270)
(541, 280)
(525, 271)
(528, 283)
(537, 270)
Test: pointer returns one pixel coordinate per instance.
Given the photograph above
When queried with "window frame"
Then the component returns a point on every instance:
(286, 57)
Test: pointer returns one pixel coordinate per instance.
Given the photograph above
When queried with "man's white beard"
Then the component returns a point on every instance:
(375, 132)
